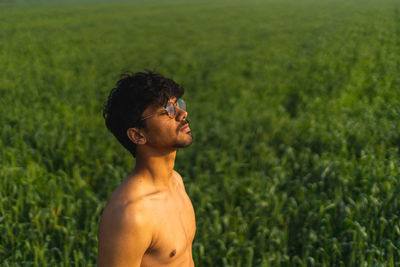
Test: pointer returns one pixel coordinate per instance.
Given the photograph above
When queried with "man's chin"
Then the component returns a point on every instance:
(184, 143)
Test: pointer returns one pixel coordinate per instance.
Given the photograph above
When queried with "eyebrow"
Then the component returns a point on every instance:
(174, 102)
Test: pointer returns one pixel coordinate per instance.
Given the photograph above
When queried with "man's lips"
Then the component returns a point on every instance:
(185, 128)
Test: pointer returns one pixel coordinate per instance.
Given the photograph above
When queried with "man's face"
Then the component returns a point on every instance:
(165, 132)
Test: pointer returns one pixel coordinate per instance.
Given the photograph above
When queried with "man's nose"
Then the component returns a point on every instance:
(180, 114)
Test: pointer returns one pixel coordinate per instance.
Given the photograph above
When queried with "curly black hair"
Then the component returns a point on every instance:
(133, 94)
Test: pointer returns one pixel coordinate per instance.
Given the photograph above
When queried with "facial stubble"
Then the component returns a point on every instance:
(181, 143)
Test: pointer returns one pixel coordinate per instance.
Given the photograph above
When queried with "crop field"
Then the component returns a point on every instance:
(294, 107)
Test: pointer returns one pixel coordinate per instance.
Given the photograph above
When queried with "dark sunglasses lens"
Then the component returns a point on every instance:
(181, 104)
(170, 109)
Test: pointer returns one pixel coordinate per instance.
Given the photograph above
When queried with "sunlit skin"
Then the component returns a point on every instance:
(149, 219)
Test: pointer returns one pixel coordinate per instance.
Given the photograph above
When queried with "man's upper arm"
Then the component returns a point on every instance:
(124, 236)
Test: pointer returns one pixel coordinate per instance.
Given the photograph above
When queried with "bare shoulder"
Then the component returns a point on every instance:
(124, 235)
(178, 179)
(124, 215)
(125, 229)
(127, 207)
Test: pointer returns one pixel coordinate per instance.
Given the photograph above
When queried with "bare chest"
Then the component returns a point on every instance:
(175, 227)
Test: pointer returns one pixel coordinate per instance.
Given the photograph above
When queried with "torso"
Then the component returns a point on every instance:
(175, 229)
(173, 224)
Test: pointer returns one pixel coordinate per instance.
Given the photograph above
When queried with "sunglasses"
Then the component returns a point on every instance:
(170, 109)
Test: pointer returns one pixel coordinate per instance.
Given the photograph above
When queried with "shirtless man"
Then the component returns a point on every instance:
(149, 219)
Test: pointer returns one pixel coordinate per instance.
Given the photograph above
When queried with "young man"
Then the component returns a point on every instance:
(149, 219)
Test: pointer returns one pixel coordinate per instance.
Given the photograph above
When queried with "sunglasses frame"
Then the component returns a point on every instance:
(170, 109)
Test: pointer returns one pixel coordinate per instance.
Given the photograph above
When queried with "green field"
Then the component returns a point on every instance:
(294, 106)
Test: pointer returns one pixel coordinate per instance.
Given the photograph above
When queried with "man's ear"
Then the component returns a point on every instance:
(136, 136)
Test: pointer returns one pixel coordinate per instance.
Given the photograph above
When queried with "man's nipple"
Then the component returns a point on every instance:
(172, 253)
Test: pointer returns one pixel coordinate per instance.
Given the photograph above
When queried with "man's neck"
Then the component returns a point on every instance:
(156, 167)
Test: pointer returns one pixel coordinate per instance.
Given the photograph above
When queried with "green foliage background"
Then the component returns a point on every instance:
(294, 106)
